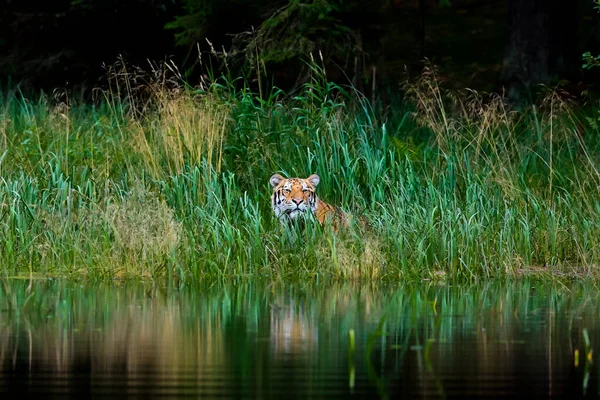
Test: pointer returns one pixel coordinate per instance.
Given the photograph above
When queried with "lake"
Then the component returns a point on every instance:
(430, 340)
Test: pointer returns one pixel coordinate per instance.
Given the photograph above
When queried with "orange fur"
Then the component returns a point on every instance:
(293, 196)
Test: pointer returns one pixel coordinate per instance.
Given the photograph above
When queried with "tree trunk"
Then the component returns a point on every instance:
(421, 31)
(541, 43)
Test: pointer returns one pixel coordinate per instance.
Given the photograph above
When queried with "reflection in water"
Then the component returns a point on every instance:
(257, 341)
(291, 331)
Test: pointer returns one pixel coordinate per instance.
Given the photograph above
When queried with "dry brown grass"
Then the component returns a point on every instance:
(169, 125)
(186, 130)
(142, 228)
(355, 261)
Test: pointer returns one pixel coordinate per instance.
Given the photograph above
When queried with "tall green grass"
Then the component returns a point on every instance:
(158, 180)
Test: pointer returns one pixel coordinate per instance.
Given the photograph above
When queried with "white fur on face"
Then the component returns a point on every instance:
(293, 198)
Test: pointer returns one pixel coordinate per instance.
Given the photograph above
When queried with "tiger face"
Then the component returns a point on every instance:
(294, 197)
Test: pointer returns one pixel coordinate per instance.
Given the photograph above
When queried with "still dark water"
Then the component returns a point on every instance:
(65, 340)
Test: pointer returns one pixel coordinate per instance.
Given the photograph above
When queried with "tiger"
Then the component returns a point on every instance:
(296, 197)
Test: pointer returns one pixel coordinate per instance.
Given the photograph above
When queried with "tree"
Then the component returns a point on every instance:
(541, 43)
(274, 35)
(65, 42)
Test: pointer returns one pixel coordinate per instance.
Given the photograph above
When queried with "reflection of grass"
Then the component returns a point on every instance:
(161, 181)
(587, 359)
(351, 365)
(377, 380)
(237, 328)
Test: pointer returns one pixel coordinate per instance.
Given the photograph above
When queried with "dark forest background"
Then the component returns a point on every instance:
(489, 45)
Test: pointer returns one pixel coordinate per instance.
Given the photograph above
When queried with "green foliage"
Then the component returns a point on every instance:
(276, 32)
(171, 182)
(589, 60)
(300, 28)
(193, 25)
(219, 17)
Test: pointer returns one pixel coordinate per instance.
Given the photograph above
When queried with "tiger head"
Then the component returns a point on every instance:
(293, 197)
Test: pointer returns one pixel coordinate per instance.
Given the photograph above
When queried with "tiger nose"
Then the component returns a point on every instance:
(297, 201)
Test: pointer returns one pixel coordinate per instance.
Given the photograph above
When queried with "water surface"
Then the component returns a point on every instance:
(266, 341)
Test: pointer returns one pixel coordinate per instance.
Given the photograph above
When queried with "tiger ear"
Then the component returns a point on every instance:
(276, 180)
(314, 179)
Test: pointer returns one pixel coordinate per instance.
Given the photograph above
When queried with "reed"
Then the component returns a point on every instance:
(159, 180)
